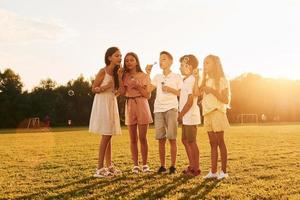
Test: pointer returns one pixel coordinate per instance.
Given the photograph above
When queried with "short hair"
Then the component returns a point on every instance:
(190, 60)
(167, 53)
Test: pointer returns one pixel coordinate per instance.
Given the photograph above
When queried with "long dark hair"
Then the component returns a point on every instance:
(109, 52)
(138, 66)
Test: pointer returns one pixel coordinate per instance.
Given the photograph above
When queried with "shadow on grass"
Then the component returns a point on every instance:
(125, 189)
(118, 192)
(205, 185)
(75, 192)
(89, 184)
(164, 189)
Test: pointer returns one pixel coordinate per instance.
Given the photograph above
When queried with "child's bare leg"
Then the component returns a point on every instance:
(105, 139)
(195, 154)
(214, 151)
(162, 151)
(108, 154)
(173, 151)
(143, 141)
(223, 150)
(134, 143)
(188, 151)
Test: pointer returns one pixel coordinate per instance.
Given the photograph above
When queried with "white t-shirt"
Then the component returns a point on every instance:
(192, 117)
(210, 102)
(165, 101)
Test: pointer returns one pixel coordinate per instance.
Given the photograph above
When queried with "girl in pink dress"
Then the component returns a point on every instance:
(133, 85)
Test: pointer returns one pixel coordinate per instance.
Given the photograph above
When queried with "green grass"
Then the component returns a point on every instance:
(263, 163)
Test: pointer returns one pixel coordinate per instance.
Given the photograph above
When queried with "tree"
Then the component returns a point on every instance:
(10, 99)
(79, 105)
(42, 100)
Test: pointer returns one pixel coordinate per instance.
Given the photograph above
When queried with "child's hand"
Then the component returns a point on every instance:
(148, 68)
(179, 118)
(166, 88)
(117, 93)
(120, 72)
(196, 73)
(135, 83)
(207, 90)
(97, 90)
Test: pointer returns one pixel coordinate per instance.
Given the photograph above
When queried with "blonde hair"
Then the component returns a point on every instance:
(216, 74)
(217, 71)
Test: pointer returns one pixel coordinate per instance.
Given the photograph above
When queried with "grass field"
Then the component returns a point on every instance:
(263, 163)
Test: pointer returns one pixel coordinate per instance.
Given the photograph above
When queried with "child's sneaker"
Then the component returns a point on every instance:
(146, 169)
(222, 175)
(172, 170)
(211, 175)
(102, 173)
(162, 170)
(112, 169)
(135, 169)
(196, 172)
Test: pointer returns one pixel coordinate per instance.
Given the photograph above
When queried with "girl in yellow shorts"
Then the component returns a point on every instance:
(216, 97)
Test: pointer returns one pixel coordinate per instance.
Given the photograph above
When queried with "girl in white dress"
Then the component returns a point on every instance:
(105, 115)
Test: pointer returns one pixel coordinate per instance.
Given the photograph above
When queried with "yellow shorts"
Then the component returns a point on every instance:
(216, 121)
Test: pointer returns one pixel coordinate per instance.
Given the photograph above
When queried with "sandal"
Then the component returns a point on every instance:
(136, 169)
(102, 173)
(112, 169)
(146, 169)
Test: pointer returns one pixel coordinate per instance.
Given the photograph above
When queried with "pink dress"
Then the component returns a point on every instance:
(137, 110)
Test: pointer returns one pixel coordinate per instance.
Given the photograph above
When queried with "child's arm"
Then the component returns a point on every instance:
(171, 90)
(144, 91)
(187, 106)
(106, 87)
(98, 81)
(196, 88)
(150, 88)
(142, 86)
(222, 96)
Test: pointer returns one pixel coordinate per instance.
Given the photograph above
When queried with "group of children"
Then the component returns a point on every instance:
(131, 82)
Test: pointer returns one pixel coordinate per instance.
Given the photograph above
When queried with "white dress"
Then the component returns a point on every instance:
(105, 114)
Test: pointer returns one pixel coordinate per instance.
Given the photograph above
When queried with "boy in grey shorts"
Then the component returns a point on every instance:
(167, 85)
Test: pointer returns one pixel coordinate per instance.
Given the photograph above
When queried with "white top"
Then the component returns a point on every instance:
(210, 102)
(165, 101)
(192, 117)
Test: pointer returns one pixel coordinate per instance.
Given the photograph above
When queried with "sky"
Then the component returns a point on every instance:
(63, 39)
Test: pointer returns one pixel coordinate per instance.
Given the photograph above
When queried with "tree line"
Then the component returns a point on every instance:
(275, 99)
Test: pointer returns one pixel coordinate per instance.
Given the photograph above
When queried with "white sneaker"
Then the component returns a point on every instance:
(146, 169)
(136, 169)
(102, 173)
(112, 169)
(222, 175)
(211, 175)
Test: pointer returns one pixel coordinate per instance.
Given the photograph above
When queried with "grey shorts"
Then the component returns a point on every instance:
(166, 124)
